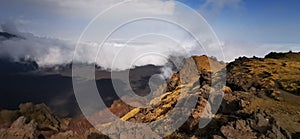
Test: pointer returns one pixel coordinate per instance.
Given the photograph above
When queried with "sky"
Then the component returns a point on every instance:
(244, 27)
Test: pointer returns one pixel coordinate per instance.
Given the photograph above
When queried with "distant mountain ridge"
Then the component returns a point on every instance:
(24, 81)
(5, 35)
(9, 66)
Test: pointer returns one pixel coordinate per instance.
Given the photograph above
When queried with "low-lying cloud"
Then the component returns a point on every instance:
(46, 51)
(118, 55)
(112, 55)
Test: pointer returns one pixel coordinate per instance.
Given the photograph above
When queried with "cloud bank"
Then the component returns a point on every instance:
(46, 51)
(114, 54)
(118, 55)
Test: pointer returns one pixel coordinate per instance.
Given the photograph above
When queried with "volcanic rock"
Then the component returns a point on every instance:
(20, 128)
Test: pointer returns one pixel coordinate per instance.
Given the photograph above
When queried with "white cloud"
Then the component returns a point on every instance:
(118, 54)
(219, 5)
(113, 55)
(90, 8)
(68, 18)
(49, 51)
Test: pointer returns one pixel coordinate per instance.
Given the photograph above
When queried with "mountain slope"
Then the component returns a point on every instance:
(254, 103)
(250, 109)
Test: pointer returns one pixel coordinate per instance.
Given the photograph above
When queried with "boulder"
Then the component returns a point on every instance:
(42, 115)
(21, 128)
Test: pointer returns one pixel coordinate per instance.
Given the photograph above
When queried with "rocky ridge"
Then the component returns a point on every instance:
(259, 101)
(249, 108)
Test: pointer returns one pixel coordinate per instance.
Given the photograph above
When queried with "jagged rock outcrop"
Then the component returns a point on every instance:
(37, 121)
(40, 113)
(257, 125)
(38, 118)
(88, 134)
(21, 128)
(239, 115)
(43, 116)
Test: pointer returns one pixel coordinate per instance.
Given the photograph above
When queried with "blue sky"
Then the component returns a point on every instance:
(250, 27)
(275, 21)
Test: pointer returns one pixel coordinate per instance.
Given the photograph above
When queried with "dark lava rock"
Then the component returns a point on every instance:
(255, 126)
(205, 78)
